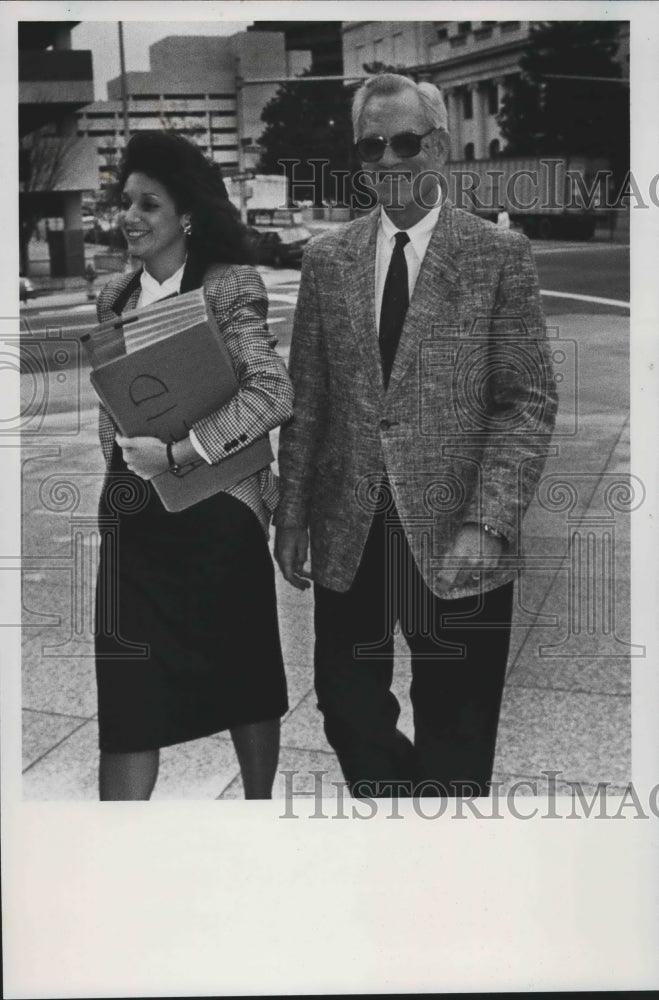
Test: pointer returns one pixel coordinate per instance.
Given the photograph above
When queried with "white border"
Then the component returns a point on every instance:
(224, 898)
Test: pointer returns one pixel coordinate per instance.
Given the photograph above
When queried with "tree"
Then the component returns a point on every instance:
(541, 116)
(309, 122)
(44, 160)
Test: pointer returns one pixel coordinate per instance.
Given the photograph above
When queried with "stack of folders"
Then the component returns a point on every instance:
(157, 371)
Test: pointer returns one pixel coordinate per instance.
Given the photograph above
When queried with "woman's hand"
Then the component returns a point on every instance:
(145, 456)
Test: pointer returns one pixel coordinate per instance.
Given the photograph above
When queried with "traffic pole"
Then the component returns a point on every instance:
(241, 151)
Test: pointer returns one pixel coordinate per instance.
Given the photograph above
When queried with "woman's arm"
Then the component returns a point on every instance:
(264, 398)
(265, 395)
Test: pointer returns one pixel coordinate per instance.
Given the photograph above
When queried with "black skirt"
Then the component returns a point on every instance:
(187, 639)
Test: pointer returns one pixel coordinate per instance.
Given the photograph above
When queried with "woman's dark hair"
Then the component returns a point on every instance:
(196, 186)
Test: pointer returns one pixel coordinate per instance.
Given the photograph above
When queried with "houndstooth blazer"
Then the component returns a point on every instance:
(461, 432)
(238, 299)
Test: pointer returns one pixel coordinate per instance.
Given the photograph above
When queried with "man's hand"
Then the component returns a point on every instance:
(291, 547)
(474, 551)
(145, 456)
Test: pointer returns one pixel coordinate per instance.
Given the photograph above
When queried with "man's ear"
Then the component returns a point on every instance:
(443, 141)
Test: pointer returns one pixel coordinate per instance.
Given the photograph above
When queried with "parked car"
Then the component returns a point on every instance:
(27, 290)
(280, 245)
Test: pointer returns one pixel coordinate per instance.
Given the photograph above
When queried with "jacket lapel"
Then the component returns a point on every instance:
(128, 297)
(433, 302)
(358, 280)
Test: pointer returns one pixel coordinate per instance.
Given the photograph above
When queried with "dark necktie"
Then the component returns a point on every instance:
(395, 300)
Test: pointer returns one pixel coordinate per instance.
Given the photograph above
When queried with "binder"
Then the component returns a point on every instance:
(160, 369)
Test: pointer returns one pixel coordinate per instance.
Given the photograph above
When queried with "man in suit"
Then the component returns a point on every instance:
(424, 404)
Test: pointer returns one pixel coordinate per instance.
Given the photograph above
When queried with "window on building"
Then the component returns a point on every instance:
(145, 97)
(469, 151)
(492, 98)
(464, 27)
(442, 34)
(510, 25)
(468, 104)
(495, 149)
(222, 97)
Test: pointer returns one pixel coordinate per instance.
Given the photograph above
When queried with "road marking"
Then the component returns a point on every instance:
(276, 319)
(276, 297)
(586, 298)
(580, 247)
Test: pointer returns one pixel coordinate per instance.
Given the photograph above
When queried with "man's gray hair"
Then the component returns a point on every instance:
(385, 84)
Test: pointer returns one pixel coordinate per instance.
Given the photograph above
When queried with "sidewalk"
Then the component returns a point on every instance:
(567, 700)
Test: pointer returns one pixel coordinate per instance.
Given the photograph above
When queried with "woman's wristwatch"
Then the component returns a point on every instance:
(173, 464)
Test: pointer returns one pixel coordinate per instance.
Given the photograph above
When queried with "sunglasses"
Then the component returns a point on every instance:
(404, 145)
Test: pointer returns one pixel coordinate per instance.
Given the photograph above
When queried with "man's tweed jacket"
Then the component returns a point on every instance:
(463, 428)
(238, 299)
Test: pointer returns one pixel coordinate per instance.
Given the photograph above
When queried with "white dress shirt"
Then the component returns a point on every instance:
(152, 290)
(415, 251)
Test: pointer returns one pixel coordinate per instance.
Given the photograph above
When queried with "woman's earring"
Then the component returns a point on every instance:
(187, 227)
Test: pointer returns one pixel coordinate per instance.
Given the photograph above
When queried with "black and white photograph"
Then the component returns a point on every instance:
(329, 479)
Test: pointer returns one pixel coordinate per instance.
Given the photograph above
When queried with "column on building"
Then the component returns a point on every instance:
(481, 119)
(451, 97)
(470, 134)
(499, 83)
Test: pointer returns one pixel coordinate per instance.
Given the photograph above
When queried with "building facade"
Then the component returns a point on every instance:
(472, 62)
(197, 86)
(321, 38)
(55, 165)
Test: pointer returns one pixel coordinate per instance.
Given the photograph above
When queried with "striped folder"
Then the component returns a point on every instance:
(158, 370)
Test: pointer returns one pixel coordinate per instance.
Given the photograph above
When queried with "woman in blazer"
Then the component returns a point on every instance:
(187, 639)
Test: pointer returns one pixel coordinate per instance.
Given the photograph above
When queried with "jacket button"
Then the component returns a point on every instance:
(385, 425)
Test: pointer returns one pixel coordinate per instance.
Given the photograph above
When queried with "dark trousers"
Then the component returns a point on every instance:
(459, 650)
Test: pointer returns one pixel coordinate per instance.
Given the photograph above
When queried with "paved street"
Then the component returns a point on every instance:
(567, 700)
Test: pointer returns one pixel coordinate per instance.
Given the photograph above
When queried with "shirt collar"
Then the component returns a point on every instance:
(154, 288)
(419, 233)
